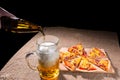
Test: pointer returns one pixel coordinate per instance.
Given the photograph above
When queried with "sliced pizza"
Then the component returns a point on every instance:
(64, 54)
(104, 64)
(72, 64)
(85, 60)
(69, 65)
(78, 49)
(86, 65)
(96, 53)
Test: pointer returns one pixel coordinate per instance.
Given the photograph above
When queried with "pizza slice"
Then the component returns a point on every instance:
(104, 64)
(72, 64)
(85, 65)
(64, 54)
(96, 53)
(78, 49)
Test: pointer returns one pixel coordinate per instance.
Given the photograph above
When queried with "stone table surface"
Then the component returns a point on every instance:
(17, 69)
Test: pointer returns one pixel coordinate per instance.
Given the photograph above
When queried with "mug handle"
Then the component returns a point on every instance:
(28, 62)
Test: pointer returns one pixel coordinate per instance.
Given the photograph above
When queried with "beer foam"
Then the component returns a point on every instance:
(46, 47)
(48, 53)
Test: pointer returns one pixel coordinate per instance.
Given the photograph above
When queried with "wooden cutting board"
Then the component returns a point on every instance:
(98, 69)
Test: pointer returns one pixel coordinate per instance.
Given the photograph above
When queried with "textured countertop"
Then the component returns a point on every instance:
(17, 69)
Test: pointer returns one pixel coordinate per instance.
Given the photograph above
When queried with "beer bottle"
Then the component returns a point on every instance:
(17, 25)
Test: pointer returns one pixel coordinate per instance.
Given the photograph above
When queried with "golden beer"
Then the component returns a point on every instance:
(49, 73)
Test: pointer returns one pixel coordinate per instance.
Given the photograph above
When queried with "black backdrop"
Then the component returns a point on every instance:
(96, 16)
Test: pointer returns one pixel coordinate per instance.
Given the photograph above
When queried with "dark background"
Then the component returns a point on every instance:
(94, 16)
(70, 14)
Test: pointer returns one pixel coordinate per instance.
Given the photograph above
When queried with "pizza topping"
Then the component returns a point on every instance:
(104, 64)
(86, 65)
(69, 65)
(72, 64)
(96, 53)
(77, 49)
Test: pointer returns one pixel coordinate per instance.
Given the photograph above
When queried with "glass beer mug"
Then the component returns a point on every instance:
(48, 57)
